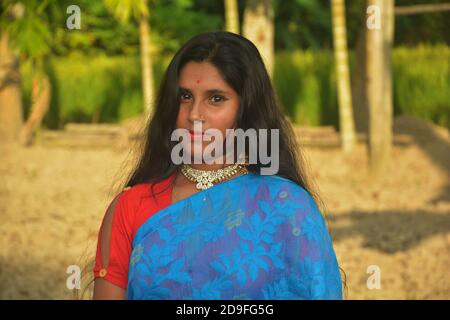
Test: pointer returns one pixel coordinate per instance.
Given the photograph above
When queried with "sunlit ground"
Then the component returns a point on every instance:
(52, 201)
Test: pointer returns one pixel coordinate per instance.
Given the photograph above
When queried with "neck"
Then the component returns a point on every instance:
(214, 166)
(208, 167)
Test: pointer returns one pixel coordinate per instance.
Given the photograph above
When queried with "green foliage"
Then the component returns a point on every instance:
(306, 85)
(306, 24)
(422, 82)
(172, 22)
(122, 10)
(28, 31)
(299, 24)
(304, 81)
(432, 28)
(87, 89)
(108, 89)
(302, 24)
(176, 21)
(100, 32)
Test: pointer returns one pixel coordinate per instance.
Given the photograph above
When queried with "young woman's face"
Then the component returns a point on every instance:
(206, 97)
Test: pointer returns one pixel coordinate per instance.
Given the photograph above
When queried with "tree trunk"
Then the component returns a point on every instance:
(358, 79)
(11, 114)
(258, 28)
(231, 16)
(40, 102)
(388, 38)
(146, 64)
(346, 122)
(379, 92)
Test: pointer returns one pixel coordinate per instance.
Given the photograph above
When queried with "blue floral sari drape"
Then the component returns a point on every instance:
(252, 237)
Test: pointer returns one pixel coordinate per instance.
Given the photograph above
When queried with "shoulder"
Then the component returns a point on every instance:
(128, 200)
(141, 198)
(146, 190)
(132, 194)
(285, 192)
(281, 185)
(136, 191)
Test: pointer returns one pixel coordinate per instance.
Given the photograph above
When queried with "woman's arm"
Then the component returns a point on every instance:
(104, 290)
(113, 250)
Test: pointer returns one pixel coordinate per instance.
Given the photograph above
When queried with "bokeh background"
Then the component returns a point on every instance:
(366, 85)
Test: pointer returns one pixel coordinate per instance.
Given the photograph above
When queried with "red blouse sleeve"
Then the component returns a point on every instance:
(125, 214)
(115, 241)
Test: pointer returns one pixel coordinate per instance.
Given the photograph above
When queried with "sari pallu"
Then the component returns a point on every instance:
(251, 237)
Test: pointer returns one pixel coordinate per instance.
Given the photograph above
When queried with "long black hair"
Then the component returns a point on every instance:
(242, 67)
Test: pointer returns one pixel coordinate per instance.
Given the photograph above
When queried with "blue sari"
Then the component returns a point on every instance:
(252, 237)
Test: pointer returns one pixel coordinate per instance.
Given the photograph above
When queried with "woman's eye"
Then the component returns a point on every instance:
(185, 96)
(217, 99)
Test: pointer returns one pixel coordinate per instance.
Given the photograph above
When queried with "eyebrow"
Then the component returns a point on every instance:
(208, 92)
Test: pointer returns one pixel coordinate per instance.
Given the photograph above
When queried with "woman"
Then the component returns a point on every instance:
(236, 234)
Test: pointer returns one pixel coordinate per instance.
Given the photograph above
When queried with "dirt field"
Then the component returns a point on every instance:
(52, 201)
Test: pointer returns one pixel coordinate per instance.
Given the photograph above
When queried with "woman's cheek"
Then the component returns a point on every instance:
(182, 115)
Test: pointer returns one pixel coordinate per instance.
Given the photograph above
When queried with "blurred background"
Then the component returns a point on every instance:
(366, 84)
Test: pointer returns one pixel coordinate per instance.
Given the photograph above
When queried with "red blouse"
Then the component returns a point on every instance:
(133, 207)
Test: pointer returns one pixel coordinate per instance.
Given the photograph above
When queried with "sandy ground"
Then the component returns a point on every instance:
(52, 201)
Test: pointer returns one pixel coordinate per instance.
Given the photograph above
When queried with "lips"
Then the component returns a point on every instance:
(196, 135)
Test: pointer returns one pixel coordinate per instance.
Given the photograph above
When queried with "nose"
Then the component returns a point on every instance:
(195, 112)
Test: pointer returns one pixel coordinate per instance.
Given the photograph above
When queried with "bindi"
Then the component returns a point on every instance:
(198, 81)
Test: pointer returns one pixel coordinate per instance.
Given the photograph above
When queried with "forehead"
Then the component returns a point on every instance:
(201, 74)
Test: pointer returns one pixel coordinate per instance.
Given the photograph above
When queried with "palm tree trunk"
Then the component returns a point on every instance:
(358, 83)
(40, 99)
(146, 64)
(231, 16)
(379, 91)
(388, 38)
(258, 28)
(11, 114)
(346, 122)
